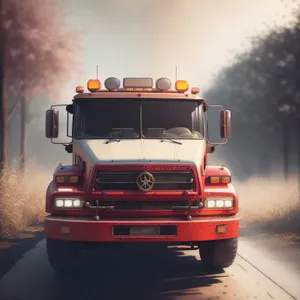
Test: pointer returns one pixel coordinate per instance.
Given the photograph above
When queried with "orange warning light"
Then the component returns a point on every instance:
(94, 85)
(79, 89)
(181, 86)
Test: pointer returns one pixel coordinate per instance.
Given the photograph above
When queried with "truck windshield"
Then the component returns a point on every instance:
(180, 119)
(121, 118)
(107, 118)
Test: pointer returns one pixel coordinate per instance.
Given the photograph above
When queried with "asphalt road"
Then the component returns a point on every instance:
(152, 273)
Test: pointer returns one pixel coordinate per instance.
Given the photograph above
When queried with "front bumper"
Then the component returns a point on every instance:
(87, 230)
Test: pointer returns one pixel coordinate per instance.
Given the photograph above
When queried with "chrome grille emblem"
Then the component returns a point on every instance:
(145, 181)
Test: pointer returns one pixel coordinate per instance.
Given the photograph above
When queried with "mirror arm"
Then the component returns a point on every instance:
(69, 148)
(205, 105)
(211, 148)
(69, 109)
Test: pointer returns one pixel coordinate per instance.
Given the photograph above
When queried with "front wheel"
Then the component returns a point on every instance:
(63, 256)
(218, 254)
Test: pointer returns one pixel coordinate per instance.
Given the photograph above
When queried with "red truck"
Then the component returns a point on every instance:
(140, 173)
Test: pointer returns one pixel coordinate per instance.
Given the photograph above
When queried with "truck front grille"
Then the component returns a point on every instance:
(127, 181)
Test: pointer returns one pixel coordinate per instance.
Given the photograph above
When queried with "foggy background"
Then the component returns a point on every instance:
(148, 38)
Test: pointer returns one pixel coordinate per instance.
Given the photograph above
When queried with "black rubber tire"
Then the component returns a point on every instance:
(63, 256)
(219, 254)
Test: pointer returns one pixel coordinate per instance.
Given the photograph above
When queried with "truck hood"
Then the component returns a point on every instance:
(133, 151)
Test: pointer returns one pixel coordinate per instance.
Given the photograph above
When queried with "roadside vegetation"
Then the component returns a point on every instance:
(23, 200)
(270, 205)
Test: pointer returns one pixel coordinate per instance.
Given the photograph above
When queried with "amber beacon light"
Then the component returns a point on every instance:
(79, 89)
(181, 86)
(93, 85)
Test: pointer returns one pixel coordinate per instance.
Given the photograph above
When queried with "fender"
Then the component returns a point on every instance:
(217, 171)
(69, 170)
(220, 189)
(64, 189)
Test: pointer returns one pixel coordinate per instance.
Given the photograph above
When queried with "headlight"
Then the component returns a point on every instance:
(67, 203)
(223, 203)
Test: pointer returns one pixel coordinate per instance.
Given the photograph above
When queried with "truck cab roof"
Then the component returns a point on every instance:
(138, 94)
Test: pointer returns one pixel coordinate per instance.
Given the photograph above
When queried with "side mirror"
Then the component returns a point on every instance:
(52, 121)
(225, 124)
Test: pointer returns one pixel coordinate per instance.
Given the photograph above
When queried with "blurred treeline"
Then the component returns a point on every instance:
(262, 89)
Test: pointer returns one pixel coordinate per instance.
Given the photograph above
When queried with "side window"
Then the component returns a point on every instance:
(198, 119)
(201, 120)
(194, 120)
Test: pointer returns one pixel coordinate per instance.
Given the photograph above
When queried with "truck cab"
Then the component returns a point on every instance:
(140, 173)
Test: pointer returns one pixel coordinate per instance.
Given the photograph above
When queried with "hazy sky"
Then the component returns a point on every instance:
(149, 37)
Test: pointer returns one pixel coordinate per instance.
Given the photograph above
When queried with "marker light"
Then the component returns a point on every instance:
(65, 230)
(221, 229)
(218, 180)
(112, 83)
(181, 86)
(94, 85)
(195, 90)
(79, 89)
(163, 84)
(67, 179)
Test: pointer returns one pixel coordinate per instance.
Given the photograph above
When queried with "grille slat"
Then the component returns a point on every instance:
(126, 181)
(143, 204)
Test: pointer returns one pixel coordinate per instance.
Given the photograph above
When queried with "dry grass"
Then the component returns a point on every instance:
(270, 204)
(23, 198)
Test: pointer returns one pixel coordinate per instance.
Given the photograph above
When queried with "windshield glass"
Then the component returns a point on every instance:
(172, 119)
(106, 118)
(121, 118)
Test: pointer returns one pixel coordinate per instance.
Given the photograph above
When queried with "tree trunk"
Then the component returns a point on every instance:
(285, 138)
(3, 128)
(2, 124)
(264, 165)
(3, 113)
(3, 105)
(23, 133)
(299, 161)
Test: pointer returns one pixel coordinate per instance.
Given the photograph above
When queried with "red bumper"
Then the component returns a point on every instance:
(200, 229)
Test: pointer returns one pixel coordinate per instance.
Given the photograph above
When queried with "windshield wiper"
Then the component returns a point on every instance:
(112, 140)
(171, 140)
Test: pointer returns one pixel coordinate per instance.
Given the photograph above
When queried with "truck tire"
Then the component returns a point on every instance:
(219, 254)
(63, 256)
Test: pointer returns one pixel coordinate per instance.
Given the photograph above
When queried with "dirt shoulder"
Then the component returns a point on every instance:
(284, 245)
(273, 228)
(13, 249)
(284, 248)
(277, 255)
